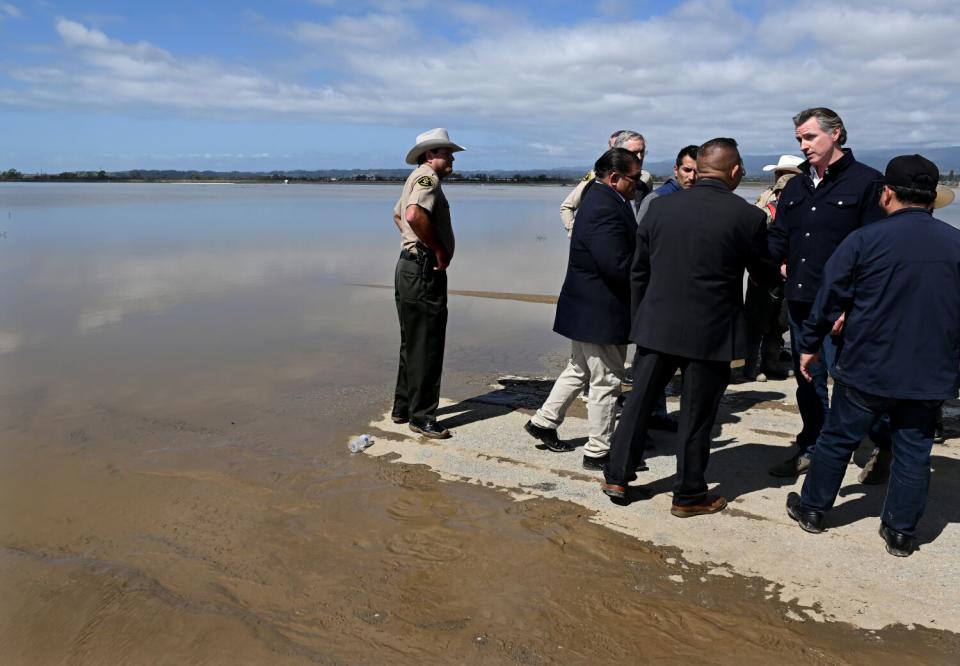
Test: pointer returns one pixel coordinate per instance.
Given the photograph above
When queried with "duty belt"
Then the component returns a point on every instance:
(419, 258)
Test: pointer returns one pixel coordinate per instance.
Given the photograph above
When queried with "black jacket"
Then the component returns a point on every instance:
(687, 275)
(898, 280)
(594, 303)
(811, 222)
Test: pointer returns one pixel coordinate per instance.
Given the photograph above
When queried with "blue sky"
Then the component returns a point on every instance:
(334, 84)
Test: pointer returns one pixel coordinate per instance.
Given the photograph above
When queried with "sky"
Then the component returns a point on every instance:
(321, 84)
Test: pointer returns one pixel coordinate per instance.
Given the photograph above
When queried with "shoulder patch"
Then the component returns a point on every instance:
(425, 181)
(587, 176)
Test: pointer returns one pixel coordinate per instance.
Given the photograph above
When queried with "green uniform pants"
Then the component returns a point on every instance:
(421, 295)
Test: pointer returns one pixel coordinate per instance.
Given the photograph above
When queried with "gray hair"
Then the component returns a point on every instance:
(627, 135)
(827, 119)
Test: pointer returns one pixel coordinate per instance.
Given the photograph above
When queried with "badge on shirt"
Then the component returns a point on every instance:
(425, 181)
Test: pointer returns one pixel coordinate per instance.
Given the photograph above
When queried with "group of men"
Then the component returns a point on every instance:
(871, 282)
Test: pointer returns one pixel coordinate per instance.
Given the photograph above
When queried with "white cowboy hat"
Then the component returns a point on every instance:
(786, 163)
(945, 197)
(430, 140)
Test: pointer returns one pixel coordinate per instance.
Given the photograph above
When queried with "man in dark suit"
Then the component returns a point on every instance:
(687, 298)
(594, 308)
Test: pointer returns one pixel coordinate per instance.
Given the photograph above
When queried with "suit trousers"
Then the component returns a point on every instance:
(703, 385)
(421, 295)
(600, 366)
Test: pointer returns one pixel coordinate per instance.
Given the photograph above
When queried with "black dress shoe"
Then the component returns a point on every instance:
(595, 464)
(664, 423)
(429, 429)
(398, 418)
(547, 437)
(598, 464)
(898, 544)
(809, 520)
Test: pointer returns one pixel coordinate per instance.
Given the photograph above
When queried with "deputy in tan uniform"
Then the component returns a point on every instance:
(422, 215)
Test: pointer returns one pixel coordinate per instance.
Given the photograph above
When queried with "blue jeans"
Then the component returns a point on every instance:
(813, 399)
(851, 416)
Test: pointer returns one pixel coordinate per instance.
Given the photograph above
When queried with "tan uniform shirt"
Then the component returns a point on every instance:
(771, 194)
(423, 189)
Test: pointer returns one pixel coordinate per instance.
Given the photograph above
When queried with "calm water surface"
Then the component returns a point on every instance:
(180, 368)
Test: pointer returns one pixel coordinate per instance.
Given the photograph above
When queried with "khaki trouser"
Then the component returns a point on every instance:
(600, 366)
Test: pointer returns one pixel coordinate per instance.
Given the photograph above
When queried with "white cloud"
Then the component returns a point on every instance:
(373, 31)
(9, 11)
(702, 70)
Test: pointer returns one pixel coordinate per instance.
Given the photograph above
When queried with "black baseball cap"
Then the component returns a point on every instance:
(914, 171)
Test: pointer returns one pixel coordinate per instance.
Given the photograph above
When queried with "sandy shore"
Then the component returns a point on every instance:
(842, 575)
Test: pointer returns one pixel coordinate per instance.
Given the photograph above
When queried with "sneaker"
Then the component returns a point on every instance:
(547, 437)
(710, 504)
(877, 468)
(809, 521)
(793, 466)
(899, 545)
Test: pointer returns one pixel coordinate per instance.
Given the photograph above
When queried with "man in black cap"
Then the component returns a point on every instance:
(898, 283)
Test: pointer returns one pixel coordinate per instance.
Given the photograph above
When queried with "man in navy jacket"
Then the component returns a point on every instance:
(687, 300)
(594, 307)
(832, 196)
(898, 282)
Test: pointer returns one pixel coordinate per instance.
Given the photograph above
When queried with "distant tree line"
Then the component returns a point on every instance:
(299, 176)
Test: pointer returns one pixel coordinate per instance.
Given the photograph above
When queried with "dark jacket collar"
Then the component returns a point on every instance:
(713, 183)
(910, 210)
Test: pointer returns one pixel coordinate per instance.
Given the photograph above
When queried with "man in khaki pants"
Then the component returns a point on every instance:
(593, 310)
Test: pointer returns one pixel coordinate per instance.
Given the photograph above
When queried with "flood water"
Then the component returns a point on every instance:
(181, 367)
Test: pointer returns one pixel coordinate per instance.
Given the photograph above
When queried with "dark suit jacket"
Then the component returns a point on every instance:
(594, 303)
(687, 275)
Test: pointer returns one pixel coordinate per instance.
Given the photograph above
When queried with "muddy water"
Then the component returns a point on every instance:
(180, 369)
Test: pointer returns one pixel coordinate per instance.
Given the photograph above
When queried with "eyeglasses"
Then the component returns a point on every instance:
(634, 178)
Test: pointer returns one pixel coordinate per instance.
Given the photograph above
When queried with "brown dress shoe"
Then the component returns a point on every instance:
(613, 490)
(710, 504)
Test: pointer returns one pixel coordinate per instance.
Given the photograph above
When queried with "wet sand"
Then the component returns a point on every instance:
(212, 528)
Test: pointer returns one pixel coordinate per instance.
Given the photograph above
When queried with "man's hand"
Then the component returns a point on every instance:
(443, 259)
(838, 324)
(805, 361)
(783, 271)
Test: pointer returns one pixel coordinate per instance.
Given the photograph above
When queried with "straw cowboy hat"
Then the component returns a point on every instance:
(431, 140)
(945, 197)
(789, 163)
